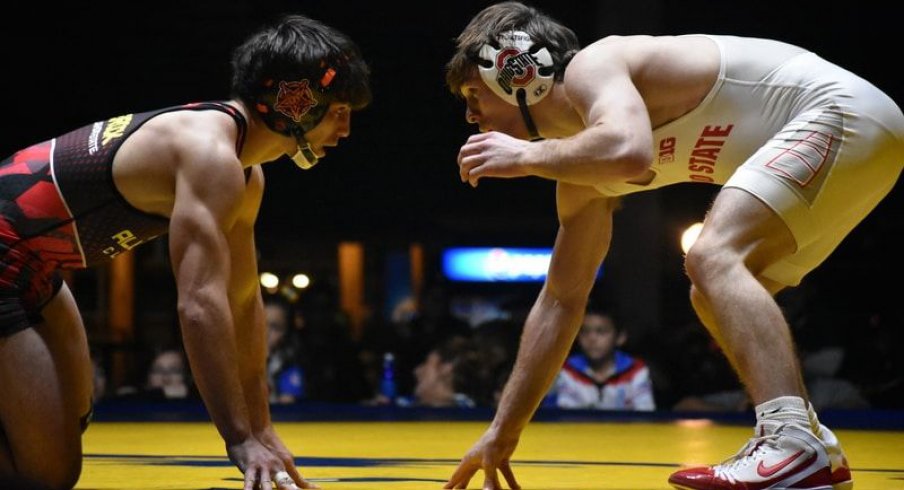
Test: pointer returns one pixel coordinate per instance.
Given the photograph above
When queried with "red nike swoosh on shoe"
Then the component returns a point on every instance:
(767, 471)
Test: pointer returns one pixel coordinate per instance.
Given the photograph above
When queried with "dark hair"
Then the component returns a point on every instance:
(299, 47)
(494, 20)
(472, 370)
(611, 315)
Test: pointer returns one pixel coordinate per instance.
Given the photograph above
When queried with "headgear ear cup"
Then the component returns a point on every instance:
(294, 107)
(517, 64)
(519, 72)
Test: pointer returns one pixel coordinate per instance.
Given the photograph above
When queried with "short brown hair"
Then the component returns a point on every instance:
(492, 21)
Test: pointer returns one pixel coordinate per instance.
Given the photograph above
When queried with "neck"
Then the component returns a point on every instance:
(603, 368)
(261, 143)
(554, 116)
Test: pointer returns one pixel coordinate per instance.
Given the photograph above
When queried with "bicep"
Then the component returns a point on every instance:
(196, 243)
(205, 207)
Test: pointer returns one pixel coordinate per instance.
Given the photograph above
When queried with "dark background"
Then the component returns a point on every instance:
(394, 181)
(396, 176)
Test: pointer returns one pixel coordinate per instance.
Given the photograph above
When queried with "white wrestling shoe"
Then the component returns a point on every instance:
(841, 472)
(791, 458)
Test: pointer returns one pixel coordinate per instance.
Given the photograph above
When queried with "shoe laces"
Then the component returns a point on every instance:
(749, 453)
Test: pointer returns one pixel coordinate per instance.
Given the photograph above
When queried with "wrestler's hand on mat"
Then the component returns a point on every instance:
(256, 462)
(492, 452)
(272, 441)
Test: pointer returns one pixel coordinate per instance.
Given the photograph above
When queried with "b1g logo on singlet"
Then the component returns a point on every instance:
(667, 150)
(125, 241)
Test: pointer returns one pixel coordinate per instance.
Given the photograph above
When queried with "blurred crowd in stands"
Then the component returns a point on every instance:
(432, 353)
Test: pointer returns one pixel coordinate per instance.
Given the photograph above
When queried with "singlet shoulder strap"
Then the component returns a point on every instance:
(237, 116)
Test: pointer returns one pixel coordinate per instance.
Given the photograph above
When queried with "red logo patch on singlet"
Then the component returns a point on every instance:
(295, 99)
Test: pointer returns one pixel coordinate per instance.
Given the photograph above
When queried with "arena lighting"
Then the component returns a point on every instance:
(690, 236)
(496, 264)
(269, 280)
(301, 281)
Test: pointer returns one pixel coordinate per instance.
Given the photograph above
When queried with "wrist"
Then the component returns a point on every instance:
(506, 428)
(235, 437)
(535, 157)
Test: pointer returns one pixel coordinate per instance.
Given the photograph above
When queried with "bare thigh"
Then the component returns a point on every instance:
(45, 373)
(741, 227)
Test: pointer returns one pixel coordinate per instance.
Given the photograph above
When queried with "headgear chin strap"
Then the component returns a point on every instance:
(518, 71)
(305, 157)
(293, 108)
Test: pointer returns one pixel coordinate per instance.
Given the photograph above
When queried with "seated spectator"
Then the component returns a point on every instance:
(166, 377)
(284, 373)
(598, 375)
(703, 378)
(328, 354)
(169, 375)
(452, 375)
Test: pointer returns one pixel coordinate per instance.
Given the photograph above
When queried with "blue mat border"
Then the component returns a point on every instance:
(194, 411)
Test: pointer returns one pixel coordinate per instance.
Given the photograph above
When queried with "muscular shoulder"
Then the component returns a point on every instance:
(202, 147)
(203, 136)
(175, 149)
(668, 72)
(639, 53)
(180, 138)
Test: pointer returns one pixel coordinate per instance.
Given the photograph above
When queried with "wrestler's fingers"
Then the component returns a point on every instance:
(506, 469)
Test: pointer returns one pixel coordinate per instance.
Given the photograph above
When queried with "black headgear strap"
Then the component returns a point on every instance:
(525, 114)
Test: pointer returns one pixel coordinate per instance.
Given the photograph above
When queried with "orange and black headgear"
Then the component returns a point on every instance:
(289, 75)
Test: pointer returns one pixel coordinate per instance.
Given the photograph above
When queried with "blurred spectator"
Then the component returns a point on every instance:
(818, 328)
(284, 373)
(453, 374)
(166, 378)
(702, 377)
(599, 375)
(169, 375)
(875, 362)
(328, 354)
(498, 343)
(410, 334)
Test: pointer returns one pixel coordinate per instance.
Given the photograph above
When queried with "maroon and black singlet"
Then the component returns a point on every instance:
(59, 209)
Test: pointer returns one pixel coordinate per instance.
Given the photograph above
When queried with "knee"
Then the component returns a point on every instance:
(696, 264)
(68, 475)
(705, 264)
(67, 478)
(58, 475)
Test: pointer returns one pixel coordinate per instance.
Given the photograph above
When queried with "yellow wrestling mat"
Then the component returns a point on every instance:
(421, 455)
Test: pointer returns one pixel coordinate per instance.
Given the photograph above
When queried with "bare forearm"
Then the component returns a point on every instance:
(548, 335)
(211, 349)
(257, 397)
(253, 363)
(591, 157)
